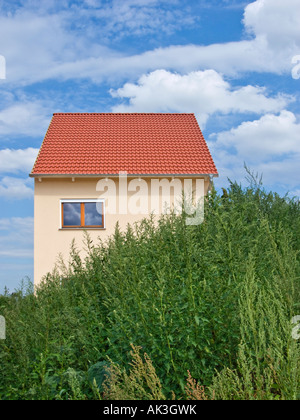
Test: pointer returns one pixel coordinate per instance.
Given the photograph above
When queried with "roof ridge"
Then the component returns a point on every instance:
(123, 113)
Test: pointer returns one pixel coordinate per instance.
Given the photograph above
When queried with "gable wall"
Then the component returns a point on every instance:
(50, 239)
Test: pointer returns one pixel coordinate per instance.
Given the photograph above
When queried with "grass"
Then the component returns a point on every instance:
(209, 307)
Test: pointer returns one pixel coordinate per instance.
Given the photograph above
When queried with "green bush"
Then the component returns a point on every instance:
(212, 302)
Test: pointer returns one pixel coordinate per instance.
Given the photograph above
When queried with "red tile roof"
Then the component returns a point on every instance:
(140, 144)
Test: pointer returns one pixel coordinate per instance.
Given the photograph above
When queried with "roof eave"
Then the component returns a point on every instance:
(117, 175)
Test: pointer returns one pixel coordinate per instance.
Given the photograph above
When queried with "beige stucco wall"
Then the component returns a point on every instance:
(49, 239)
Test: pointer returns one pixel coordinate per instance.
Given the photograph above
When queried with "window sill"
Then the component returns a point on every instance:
(87, 228)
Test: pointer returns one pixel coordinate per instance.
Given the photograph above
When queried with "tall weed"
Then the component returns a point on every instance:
(211, 304)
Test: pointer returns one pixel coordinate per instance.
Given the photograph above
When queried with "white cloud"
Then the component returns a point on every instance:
(295, 194)
(42, 42)
(230, 58)
(35, 44)
(16, 237)
(68, 43)
(269, 137)
(270, 50)
(14, 161)
(24, 118)
(283, 173)
(225, 4)
(270, 146)
(15, 188)
(31, 45)
(274, 29)
(119, 18)
(16, 250)
(277, 21)
(20, 223)
(203, 93)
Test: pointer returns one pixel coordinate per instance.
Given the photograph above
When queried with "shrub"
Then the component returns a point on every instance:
(213, 300)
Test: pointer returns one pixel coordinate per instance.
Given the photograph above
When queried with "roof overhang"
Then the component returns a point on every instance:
(129, 175)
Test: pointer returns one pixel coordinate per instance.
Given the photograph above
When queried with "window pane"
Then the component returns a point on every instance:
(93, 217)
(72, 214)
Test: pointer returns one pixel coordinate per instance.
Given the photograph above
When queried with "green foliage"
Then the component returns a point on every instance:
(140, 383)
(212, 302)
(268, 362)
(98, 373)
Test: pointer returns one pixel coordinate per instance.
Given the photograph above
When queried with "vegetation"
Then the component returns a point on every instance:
(167, 311)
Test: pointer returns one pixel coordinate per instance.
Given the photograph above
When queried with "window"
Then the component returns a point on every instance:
(81, 214)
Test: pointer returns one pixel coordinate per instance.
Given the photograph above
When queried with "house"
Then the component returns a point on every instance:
(96, 169)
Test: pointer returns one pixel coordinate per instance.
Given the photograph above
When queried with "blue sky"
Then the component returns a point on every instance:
(233, 63)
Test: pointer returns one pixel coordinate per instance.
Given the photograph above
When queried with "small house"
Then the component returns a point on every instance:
(96, 169)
